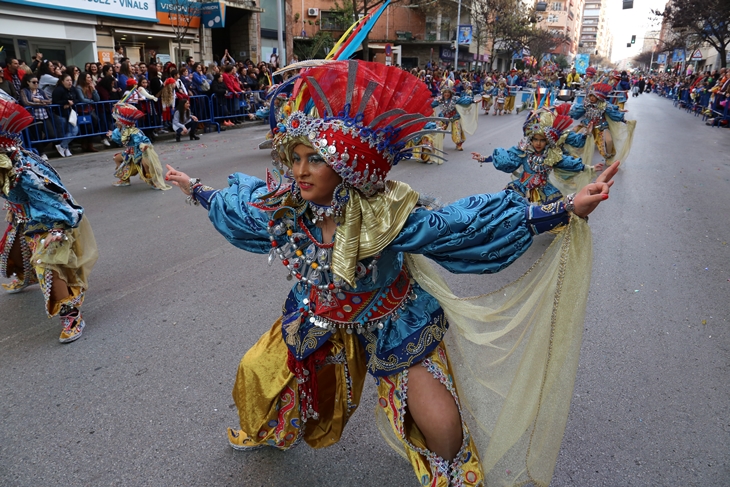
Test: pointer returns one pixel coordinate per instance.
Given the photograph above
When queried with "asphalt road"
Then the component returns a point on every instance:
(143, 398)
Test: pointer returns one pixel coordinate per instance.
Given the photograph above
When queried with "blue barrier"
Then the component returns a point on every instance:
(95, 119)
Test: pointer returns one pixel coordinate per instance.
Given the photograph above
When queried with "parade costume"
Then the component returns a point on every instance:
(607, 129)
(139, 157)
(460, 112)
(39, 207)
(488, 96)
(533, 171)
(366, 303)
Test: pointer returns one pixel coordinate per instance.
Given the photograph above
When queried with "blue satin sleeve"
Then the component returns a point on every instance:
(570, 163)
(240, 223)
(479, 234)
(575, 139)
(40, 189)
(507, 160)
(116, 136)
(577, 111)
(465, 100)
(613, 112)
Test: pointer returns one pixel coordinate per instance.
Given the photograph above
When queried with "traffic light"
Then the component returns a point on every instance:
(628, 4)
(633, 39)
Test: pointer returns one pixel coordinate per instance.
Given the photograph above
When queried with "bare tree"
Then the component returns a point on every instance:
(182, 13)
(706, 20)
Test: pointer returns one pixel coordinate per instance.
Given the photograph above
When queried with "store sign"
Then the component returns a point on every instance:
(106, 57)
(678, 56)
(446, 54)
(661, 59)
(178, 12)
(128, 9)
(214, 15)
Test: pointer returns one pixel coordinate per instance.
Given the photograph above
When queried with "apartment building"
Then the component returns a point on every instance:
(595, 37)
(562, 17)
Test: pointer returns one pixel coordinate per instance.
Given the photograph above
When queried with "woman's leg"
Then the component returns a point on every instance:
(422, 406)
(192, 127)
(435, 413)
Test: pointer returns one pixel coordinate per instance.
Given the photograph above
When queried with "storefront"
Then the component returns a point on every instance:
(59, 35)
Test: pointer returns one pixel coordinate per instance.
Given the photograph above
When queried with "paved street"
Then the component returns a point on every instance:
(144, 397)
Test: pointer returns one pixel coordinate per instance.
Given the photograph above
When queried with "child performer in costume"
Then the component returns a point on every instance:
(449, 107)
(605, 125)
(139, 157)
(500, 96)
(363, 303)
(488, 95)
(539, 154)
(48, 240)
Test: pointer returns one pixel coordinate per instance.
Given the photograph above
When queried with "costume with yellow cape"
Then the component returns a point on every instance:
(369, 302)
(139, 156)
(608, 130)
(39, 206)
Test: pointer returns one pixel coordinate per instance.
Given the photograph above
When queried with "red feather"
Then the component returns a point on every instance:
(562, 122)
(562, 109)
(13, 117)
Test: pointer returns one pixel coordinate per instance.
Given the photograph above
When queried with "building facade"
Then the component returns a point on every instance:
(595, 37)
(562, 17)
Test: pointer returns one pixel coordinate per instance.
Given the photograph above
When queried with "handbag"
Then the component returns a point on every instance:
(73, 117)
(205, 85)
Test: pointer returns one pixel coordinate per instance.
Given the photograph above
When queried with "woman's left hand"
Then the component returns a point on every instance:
(195, 119)
(588, 198)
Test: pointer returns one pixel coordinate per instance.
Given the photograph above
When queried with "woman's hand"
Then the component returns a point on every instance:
(178, 178)
(194, 118)
(476, 156)
(52, 237)
(588, 198)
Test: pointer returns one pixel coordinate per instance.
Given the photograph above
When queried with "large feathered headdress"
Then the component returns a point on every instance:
(600, 90)
(359, 116)
(13, 120)
(553, 123)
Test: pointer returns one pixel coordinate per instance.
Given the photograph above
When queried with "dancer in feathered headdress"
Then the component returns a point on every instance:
(539, 154)
(49, 240)
(362, 303)
(139, 156)
(459, 110)
(605, 125)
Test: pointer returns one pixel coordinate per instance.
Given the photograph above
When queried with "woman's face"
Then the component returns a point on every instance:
(199, 69)
(87, 78)
(144, 83)
(314, 177)
(539, 142)
(33, 83)
(68, 82)
(93, 68)
(187, 105)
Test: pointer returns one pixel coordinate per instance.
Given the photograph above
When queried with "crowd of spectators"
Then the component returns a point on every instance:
(705, 92)
(238, 88)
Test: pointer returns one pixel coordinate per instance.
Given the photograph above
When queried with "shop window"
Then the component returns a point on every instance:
(8, 51)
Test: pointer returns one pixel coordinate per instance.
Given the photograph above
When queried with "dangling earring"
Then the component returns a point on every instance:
(295, 191)
(340, 197)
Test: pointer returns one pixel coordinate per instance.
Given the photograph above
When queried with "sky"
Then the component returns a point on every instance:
(635, 21)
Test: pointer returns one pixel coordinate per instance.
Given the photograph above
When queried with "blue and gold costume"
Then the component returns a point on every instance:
(40, 208)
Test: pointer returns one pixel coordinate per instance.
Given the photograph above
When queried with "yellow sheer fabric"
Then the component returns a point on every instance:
(6, 173)
(469, 117)
(515, 355)
(623, 136)
(154, 166)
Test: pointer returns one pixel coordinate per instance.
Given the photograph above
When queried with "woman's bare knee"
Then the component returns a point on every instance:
(434, 411)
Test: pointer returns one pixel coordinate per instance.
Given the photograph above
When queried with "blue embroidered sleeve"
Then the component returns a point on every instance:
(47, 200)
(543, 218)
(570, 163)
(204, 196)
(507, 160)
(116, 136)
(240, 223)
(577, 111)
(575, 139)
(614, 113)
(465, 100)
(480, 234)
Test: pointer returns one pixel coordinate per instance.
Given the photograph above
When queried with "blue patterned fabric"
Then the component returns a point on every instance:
(479, 234)
(38, 188)
(578, 111)
(135, 140)
(516, 160)
(576, 140)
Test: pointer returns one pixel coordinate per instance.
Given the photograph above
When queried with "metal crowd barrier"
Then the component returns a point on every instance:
(95, 119)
